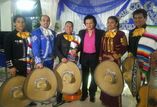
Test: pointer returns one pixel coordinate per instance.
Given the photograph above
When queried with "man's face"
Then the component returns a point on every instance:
(68, 28)
(45, 21)
(139, 20)
(20, 24)
(89, 23)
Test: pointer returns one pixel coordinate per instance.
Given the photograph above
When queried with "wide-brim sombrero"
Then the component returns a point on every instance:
(109, 78)
(133, 82)
(11, 93)
(40, 85)
(68, 77)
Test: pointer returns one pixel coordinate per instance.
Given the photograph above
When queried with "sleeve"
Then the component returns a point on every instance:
(35, 39)
(129, 45)
(79, 46)
(101, 48)
(58, 46)
(54, 42)
(8, 47)
(122, 46)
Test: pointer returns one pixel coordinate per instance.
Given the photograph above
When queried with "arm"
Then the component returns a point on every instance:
(8, 43)
(58, 46)
(35, 39)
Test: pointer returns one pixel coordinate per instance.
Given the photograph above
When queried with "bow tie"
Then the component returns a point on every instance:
(110, 34)
(23, 35)
(138, 32)
(47, 32)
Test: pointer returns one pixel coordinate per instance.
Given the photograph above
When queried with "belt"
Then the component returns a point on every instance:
(89, 53)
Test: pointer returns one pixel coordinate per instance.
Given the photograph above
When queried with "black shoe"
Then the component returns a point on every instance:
(83, 98)
(92, 99)
(58, 104)
(32, 104)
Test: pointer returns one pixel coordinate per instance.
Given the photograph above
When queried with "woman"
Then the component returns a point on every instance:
(113, 46)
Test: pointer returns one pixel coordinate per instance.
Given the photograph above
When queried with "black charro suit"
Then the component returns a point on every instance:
(89, 62)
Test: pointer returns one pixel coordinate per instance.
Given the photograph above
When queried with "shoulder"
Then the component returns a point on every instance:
(54, 33)
(35, 31)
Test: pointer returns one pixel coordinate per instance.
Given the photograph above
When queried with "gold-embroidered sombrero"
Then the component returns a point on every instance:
(68, 77)
(40, 85)
(109, 79)
(11, 93)
(133, 79)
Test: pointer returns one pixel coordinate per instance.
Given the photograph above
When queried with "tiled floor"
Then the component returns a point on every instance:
(127, 101)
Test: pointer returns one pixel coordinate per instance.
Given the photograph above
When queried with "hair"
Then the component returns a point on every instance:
(43, 16)
(18, 16)
(70, 23)
(140, 11)
(90, 17)
(115, 19)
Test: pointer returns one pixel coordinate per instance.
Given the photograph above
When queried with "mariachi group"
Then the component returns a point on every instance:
(35, 76)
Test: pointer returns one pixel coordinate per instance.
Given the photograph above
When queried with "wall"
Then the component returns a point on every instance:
(5, 15)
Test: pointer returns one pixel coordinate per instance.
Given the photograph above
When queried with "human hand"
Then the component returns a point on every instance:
(64, 60)
(39, 66)
(12, 71)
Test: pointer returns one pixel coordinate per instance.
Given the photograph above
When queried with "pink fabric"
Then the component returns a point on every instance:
(89, 43)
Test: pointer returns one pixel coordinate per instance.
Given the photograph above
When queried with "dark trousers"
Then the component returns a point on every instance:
(21, 67)
(88, 66)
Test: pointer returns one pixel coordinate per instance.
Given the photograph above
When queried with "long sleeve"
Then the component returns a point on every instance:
(35, 39)
(58, 47)
(8, 47)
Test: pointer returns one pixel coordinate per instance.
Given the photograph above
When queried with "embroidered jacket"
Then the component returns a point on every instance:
(43, 44)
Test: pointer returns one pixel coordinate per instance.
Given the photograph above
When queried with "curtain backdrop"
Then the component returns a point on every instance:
(61, 11)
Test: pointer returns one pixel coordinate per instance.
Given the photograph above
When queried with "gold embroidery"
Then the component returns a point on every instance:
(69, 37)
(117, 56)
(138, 32)
(110, 34)
(23, 35)
(123, 41)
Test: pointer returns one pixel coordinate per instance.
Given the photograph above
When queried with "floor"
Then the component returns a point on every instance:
(127, 101)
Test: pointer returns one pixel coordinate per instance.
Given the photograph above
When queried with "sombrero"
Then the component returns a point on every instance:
(68, 77)
(40, 85)
(11, 93)
(109, 78)
(133, 79)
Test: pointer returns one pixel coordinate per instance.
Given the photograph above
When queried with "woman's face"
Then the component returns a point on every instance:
(111, 24)
(20, 24)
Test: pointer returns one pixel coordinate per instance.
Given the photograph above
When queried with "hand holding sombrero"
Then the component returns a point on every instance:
(68, 77)
(109, 78)
(40, 85)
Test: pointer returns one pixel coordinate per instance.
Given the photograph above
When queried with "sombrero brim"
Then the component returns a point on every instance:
(6, 98)
(68, 88)
(108, 88)
(127, 74)
(35, 94)
(127, 64)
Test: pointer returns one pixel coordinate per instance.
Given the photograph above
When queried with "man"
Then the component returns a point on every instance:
(66, 48)
(141, 44)
(18, 52)
(89, 55)
(43, 44)
(140, 18)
